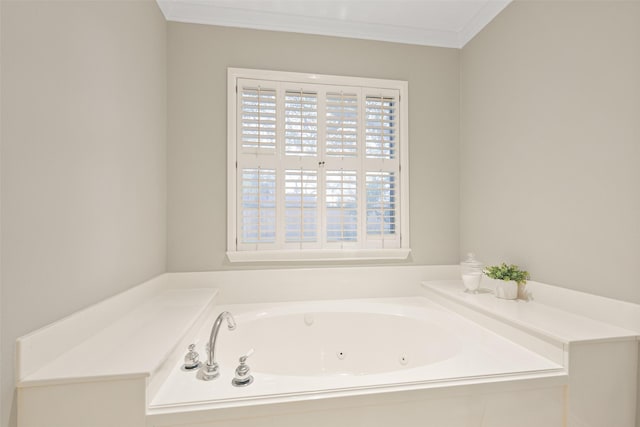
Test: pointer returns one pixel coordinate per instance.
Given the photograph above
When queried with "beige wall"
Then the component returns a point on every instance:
(1, 343)
(550, 144)
(83, 159)
(199, 57)
(544, 172)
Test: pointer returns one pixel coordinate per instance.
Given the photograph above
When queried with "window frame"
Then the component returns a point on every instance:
(279, 255)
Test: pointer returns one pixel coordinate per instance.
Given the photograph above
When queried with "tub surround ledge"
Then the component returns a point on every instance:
(108, 362)
(133, 345)
(534, 316)
(596, 337)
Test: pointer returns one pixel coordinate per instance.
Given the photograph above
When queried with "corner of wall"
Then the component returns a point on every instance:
(1, 322)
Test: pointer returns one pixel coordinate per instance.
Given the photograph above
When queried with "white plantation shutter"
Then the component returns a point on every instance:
(258, 118)
(341, 198)
(258, 221)
(317, 166)
(380, 127)
(301, 123)
(342, 124)
(301, 205)
(382, 168)
(381, 204)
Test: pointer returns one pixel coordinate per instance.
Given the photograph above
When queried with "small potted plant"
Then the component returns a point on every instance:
(509, 278)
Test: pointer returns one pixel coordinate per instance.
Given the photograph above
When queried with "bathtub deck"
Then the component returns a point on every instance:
(536, 318)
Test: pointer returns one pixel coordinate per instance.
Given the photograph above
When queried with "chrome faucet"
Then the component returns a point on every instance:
(210, 369)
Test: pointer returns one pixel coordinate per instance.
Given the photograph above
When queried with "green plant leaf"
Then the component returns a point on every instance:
(507, 272)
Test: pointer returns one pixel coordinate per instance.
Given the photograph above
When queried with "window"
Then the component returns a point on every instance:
(317, 167)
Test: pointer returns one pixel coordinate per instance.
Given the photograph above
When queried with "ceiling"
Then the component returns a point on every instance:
(444, 23)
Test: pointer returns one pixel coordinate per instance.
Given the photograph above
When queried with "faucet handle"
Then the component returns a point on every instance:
(243, 375)
(191, 360)
(244, 357)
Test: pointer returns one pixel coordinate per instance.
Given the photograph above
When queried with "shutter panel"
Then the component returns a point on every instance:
(341, 124)
(381, 204)
(258, 118)
(341, 206)
(258, 206)
(301, 123)
(380, 127)
(301, 205)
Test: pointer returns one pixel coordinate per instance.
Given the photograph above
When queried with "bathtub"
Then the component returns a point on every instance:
(317, 349)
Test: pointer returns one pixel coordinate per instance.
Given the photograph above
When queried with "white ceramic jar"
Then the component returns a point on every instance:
(471, 271)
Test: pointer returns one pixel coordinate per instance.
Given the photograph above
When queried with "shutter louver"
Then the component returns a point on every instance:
(381, 204)
(341, 201)
(380, 127)
(258, 118)
(258, 206)
(342, 125)
(301, 205)
(301, 123)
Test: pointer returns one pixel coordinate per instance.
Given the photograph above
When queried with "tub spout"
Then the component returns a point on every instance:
(210, 369)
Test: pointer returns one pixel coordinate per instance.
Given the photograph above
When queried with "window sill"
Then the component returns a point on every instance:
(318, 255)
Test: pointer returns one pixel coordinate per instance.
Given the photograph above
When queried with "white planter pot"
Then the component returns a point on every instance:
(507, 289)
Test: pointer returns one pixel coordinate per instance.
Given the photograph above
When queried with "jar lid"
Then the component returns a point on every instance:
(471, 261)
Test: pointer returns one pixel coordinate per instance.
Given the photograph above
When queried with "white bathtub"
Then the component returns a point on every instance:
(310, 350)
(341, 338)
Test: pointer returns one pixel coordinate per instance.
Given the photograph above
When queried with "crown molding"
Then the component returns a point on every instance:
(202, 12)
(489, 11)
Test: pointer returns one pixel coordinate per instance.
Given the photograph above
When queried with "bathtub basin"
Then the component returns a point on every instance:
(347, 347)
(320, 342)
